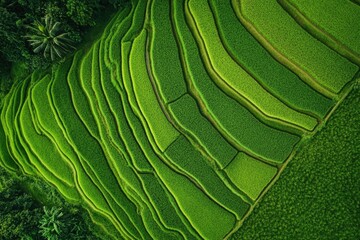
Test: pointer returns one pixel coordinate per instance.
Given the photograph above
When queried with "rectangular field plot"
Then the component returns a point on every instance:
(185, 157)
(186, 114)
(249, 174)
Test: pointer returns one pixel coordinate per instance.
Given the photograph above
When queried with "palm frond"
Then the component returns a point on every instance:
(49, 38)
(58, 51)
(54, 29)
(40, 47)
(48, 23)
(47, 50)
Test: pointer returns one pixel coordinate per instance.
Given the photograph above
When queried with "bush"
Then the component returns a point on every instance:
(24, 217)
(19, 213)
(56, 223)
(12, 46)
(82, 11)
(117, 3)
(75, 16)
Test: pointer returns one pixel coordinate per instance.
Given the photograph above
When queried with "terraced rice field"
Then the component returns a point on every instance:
(177, 120)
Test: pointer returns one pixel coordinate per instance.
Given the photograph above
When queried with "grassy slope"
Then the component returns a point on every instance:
(275, 77)
(250, 175)
(323, 66)
(347, 14)
(317, 195)
(171, 82)
(81, 97)
(186, 114)
(164, 133)
(236, 77)
(233, 120)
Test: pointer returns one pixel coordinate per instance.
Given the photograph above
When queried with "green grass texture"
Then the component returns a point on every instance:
(317, 195)
(197, 119)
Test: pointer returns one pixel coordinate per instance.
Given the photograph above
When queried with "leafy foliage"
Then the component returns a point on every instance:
(56, 224)
(11, 45)
(82, 11)
(19, 213)
(51, 224)
(24, 217)
(74, 16)
(117, 3)
(317, 196)
(49, 38)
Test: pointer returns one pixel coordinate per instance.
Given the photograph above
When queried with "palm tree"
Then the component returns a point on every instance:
(51, 224)
(49, 38)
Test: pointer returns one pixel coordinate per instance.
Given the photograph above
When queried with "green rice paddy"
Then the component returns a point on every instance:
(183, 114)
(333, 32)
(318, 65)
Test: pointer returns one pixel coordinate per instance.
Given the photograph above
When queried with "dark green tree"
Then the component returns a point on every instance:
(12, 46)
(82, 11)
(19, 213)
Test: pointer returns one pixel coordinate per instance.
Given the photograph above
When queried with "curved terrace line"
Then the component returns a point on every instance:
(279, 56)
(247, 69)
(231, 92)
(320, 33)
(202, 106)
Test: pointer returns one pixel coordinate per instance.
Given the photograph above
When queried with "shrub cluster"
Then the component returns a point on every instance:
(24, 217)
(74, 17)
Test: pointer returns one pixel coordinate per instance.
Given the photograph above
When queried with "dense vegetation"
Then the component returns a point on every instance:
(175, 119)
(317, 195)
(20, 18)
(31, 209)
